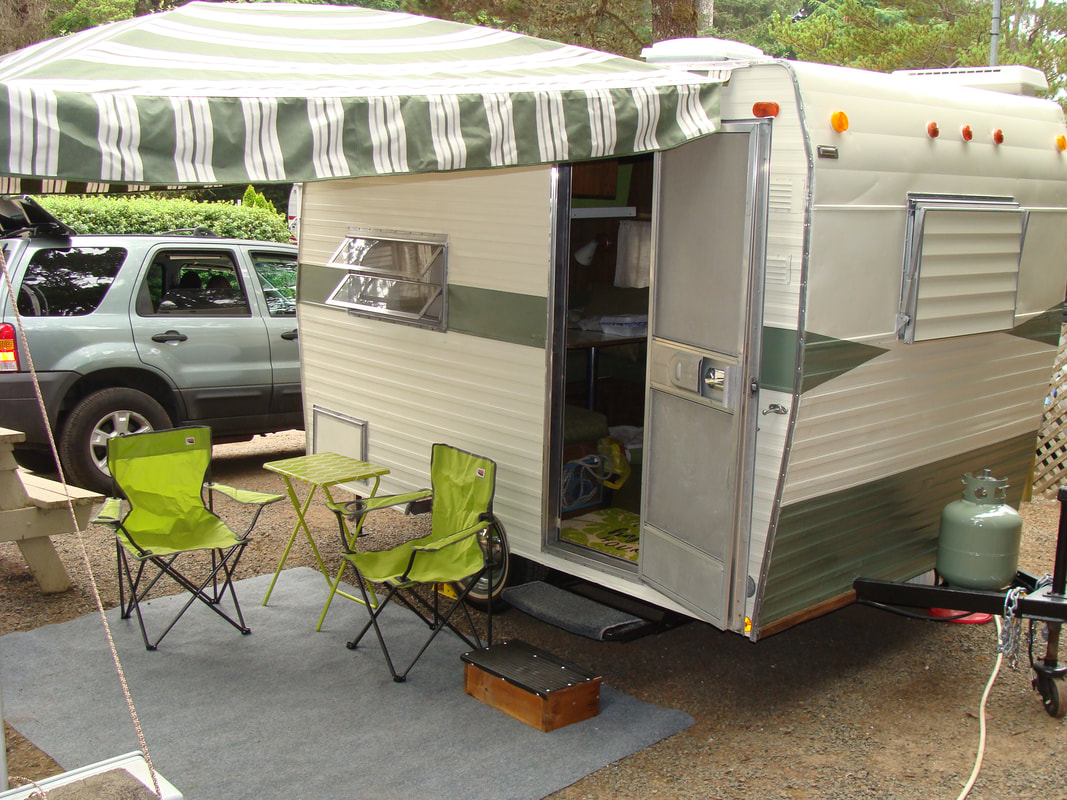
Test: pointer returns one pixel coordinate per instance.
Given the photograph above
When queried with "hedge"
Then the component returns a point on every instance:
(96, 214)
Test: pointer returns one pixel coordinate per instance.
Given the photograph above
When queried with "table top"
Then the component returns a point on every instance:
(323, 469)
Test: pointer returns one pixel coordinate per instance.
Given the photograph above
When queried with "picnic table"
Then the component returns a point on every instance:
(33, 509)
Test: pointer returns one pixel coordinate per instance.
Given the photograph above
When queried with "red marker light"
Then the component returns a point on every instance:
(932, 130)
(998, 136)
(966, 133)
(766, 108)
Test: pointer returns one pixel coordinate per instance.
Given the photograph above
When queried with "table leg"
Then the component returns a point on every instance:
(301, 522)
(340, 572)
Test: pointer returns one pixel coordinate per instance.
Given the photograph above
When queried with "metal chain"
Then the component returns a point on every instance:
(1011, 631)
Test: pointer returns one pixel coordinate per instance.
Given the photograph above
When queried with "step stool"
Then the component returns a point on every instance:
(531, 685)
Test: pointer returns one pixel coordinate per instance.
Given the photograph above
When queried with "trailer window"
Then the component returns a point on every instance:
(395, 276)
(961, 266)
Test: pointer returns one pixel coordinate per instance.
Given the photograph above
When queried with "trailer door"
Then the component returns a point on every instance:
(704, 348)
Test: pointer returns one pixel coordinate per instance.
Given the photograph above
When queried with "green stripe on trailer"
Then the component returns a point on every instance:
(882, 530)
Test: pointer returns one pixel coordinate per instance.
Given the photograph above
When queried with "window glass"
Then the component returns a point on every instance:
(277, 276)
(395, 276)
(68, 282)
(199, 283)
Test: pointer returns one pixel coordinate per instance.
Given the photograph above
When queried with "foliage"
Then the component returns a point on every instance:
(915, 34)
(254, 199)
(749, 21)
(98, 214)
(77, 15)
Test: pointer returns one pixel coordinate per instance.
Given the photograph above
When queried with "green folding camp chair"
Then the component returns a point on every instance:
(159, 517)
(466, 542)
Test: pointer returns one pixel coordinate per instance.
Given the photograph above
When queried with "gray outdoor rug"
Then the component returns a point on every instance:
(287, 712)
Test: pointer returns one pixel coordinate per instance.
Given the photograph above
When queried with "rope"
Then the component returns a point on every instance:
(81, 541)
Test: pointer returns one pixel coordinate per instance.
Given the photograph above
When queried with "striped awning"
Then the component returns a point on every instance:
(218, 93)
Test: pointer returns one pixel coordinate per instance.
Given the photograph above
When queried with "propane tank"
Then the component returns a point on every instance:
(979, 543)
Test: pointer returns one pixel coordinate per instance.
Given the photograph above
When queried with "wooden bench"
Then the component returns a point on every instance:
(32, 509)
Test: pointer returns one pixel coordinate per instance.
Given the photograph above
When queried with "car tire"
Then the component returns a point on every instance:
(96, 419)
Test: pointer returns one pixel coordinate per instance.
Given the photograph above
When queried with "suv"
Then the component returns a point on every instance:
(138, 332)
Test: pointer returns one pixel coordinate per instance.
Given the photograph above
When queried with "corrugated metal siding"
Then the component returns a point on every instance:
(886, 529)
(498, 222)
(913, 405)
(415, 386)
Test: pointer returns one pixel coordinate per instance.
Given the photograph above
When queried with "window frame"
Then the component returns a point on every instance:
(348, 285)
(922, 207)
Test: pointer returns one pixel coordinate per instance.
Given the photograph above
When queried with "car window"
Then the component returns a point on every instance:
(68, 282)
(201, 283)
(277, 276)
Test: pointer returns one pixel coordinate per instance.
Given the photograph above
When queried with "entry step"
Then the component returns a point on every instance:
(571, 610)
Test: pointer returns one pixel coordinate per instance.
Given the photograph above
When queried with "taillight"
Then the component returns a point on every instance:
(9, 354)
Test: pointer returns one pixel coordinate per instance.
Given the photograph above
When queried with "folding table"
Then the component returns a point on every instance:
(320, 471)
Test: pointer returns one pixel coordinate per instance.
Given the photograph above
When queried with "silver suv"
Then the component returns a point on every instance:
(133, 333)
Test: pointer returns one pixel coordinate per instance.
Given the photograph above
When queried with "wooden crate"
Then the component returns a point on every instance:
(531, 685)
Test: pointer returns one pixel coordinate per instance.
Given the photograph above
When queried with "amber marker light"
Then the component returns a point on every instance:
(932, 130)
(839, 121)
(767, 108)
(966, 133)
(1061, 142)
(998, 136)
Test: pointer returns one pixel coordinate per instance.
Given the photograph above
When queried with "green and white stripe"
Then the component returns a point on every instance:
(230, 93)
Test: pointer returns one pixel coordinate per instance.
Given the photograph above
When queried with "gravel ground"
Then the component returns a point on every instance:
(857, 704)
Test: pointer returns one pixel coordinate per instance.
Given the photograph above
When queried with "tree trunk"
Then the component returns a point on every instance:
(673, 19)
(705, 15)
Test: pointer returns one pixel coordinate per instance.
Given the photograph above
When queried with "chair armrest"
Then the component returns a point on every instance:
(360, 507)
(245, 495)
(452, 538)
(357, 508)
(110, 513)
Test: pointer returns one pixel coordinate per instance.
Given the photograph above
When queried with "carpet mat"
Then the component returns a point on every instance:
(610, 530)
(570, 611)
(287, 712)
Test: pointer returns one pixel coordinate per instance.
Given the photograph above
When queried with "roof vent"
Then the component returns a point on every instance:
(702, 49)
(1010, 79)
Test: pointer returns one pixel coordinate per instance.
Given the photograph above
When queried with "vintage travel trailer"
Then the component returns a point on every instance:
(803, 329)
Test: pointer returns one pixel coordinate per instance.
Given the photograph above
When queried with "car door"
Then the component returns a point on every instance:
(209, 340)
(274, 274)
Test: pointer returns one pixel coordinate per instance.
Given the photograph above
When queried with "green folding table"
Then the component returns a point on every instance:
(320, 471)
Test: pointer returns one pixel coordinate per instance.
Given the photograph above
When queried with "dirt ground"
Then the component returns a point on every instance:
(857, 704)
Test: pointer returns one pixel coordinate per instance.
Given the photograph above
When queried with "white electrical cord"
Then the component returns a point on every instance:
(981, 722)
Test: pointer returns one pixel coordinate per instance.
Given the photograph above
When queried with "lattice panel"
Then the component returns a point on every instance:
(1050, 464)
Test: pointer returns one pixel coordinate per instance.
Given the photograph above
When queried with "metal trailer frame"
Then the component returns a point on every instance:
(1027, 598)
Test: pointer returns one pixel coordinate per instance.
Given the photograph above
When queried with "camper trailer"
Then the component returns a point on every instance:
(728, 378)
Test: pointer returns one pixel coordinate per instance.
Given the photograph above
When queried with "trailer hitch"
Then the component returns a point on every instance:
(1035, 600)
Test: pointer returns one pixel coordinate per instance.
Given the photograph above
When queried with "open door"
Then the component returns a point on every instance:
(703, 370)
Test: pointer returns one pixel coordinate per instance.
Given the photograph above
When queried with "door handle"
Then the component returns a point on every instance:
(775, 408)
(290, 336)
(170, 336)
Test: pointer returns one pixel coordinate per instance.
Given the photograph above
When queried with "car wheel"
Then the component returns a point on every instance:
(96, 419)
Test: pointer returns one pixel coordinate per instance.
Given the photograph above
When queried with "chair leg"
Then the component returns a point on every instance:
(437, 622)
(224, 562)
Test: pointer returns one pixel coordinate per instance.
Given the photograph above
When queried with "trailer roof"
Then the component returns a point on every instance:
(213, 93)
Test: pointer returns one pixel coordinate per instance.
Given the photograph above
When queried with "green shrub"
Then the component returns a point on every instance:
(99, 214)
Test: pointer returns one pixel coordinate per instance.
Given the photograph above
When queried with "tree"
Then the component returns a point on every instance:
(23, 23)
(673, 19)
